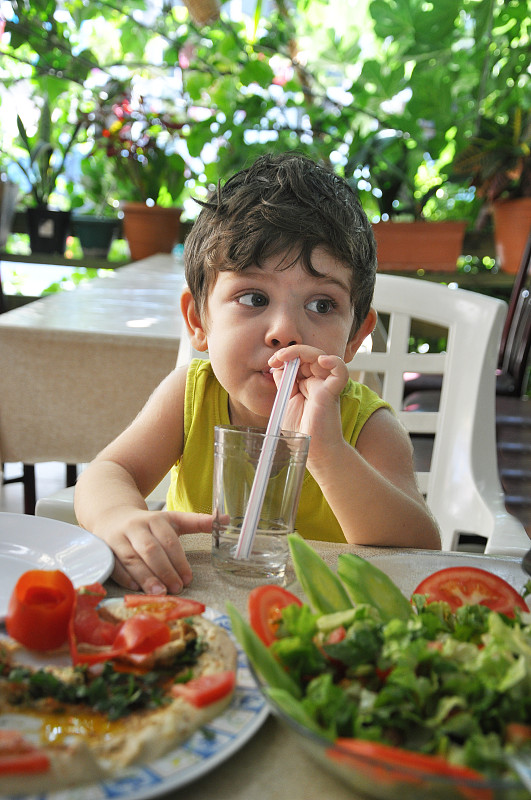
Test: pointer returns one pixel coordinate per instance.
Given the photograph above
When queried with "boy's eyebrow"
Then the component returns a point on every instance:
(323, 277)
(336, 281)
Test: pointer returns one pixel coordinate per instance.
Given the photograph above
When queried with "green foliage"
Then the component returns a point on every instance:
(385, 90)
(45, 161)
(498, 159)
(140, 151)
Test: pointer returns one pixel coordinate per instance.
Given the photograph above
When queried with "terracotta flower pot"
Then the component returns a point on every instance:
(150, 229)
(512, 221)
(409, 246)
(203, 11)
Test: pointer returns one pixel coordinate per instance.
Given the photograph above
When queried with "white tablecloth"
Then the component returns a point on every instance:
(76, 367)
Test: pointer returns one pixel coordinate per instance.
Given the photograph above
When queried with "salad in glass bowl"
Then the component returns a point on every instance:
(423, 697)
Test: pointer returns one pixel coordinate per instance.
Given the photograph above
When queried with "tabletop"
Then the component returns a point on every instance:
(272, 765)
(139, 300)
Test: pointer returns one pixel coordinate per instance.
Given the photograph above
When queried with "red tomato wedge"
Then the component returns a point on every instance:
(141, 634)
(164, 606)
(392, 765)
(518, 732)
(459, 586)
(265, 604)
(39, 609)
(89, 627)
(18, 755)
(137, 636)
(91, 595)
(206, 689)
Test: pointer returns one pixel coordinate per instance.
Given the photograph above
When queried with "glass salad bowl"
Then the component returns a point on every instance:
(339, 650)
(373, 777)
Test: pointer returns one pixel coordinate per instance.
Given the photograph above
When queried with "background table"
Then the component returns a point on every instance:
(76, 367)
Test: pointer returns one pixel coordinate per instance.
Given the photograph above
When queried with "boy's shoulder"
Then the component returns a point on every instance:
(362, 393)
(358, 403)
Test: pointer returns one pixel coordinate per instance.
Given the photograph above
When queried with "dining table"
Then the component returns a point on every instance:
(273, 764)
(77, 366)
(270, 761)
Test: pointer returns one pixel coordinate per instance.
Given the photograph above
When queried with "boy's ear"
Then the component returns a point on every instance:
(192, 319)
(365, 329)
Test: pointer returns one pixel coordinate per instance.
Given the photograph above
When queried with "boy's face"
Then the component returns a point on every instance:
(252, 314)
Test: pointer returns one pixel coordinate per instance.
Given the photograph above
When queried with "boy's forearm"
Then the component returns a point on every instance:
(103, 486)
(369, 508)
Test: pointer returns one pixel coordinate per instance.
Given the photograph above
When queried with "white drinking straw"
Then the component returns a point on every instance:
(265, 461)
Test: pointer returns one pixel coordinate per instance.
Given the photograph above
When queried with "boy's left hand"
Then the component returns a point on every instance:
(314, 405)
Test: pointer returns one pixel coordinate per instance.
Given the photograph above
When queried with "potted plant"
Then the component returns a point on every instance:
(44, 161)
(388, 170)
(497, 162)
(95, 219)
(142, 144)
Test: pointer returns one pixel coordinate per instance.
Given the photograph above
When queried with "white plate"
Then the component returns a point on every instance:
(28, 542)
(213, 744)
(408, 568)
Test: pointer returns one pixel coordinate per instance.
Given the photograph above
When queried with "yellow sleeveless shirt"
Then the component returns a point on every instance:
(206, 404)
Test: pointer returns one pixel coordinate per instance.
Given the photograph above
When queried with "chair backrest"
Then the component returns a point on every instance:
(461, 484)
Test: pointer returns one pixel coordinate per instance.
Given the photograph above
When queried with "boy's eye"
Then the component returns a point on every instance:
(321, 306)
(256, 299)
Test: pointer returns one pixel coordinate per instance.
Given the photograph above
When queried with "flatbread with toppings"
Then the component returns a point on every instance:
(144, 674)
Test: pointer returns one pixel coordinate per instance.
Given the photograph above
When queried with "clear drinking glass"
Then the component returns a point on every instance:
(236, 454)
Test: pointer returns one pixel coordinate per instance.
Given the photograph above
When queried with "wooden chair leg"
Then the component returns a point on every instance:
(71, 474)
(30, 495)
(28, 481)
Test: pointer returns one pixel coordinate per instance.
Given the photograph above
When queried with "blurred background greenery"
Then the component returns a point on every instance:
(102, 103)
(388, 91)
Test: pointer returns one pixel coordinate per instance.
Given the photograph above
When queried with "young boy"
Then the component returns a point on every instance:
(280, 263)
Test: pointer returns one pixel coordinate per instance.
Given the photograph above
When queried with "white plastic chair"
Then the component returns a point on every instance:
(461, 484)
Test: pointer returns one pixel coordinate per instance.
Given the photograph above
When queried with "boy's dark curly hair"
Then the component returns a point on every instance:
(285, 205)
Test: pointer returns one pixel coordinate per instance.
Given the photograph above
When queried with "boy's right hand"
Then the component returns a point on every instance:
(147, 549)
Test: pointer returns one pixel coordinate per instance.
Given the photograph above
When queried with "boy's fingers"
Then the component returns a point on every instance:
(188, 522)
(121, 576)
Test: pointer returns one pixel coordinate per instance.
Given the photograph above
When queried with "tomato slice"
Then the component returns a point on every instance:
(91, 595)
(265, 604)
(206, 689)
(518, 732)
(391, 765)
(141, 634)
(459, 586)
(39, 609)
(89, 627)
(337, 635)
(165, 606)
(17, 755)
(136, 636)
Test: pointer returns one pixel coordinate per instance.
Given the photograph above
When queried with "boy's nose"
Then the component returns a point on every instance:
(278, 343)
(283, 332)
